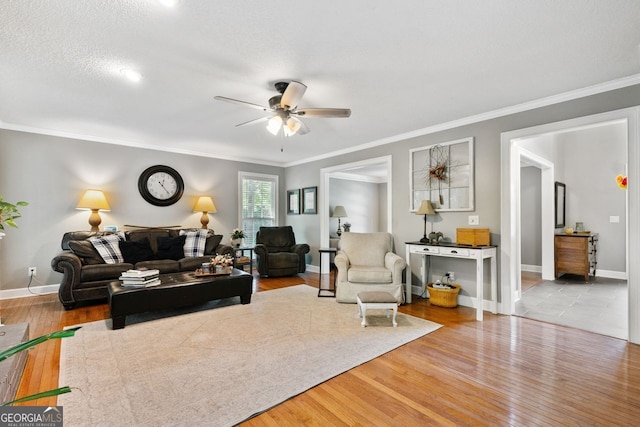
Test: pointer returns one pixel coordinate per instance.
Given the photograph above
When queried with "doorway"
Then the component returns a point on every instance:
(376, 170)
(600, 305)
(510, 224)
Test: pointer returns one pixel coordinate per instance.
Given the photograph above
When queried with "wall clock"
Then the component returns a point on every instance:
(161, 185)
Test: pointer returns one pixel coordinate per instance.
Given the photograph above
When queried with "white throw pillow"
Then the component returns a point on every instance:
(194, 243)
(108, 247)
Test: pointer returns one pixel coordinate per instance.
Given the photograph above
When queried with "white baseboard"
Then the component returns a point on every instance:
(31, 292)
(313, 268)
(612, 274)
(531, 268)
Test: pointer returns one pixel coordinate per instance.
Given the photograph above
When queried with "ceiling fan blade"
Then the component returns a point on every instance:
(237, 102)
(292, 95)
(323, 112)
(254, 121)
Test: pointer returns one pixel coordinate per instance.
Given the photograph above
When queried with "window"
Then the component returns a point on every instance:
(258, 203)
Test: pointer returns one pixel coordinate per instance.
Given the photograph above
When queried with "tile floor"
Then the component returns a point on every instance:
(599, 306)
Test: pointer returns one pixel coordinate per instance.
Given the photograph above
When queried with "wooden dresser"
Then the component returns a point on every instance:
(576, 254)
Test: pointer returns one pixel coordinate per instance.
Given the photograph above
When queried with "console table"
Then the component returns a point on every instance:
(479, 254)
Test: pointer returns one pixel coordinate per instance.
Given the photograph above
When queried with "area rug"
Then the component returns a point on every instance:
(221, 366)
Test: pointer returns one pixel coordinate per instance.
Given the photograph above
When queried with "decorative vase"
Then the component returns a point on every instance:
(219, 268)
(236, 243)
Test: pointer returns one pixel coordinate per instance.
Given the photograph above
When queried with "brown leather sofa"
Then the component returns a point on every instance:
(85, 276)
(277, 252)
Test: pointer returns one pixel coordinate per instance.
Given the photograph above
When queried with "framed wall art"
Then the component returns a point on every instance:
(310, 200)
(444, 174)
(293, 202)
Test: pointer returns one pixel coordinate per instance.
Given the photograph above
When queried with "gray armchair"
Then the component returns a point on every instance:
(277, 252)
(366, 262)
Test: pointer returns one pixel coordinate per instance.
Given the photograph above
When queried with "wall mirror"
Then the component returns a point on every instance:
(443, 173)
(560, 193)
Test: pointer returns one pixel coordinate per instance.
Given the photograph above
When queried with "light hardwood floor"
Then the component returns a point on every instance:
(503, 371)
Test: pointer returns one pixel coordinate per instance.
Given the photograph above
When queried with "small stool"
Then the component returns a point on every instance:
(379, 300)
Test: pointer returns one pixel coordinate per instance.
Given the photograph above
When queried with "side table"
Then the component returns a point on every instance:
(332, 268)
(239, 258)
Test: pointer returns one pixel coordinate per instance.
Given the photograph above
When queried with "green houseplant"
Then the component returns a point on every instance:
(9, 213)
(5, 354)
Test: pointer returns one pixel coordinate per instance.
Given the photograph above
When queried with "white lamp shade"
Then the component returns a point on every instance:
(426, 208)
(339, 212)
(274, 125)
(292, 126)
(204, 204)
(93, 200)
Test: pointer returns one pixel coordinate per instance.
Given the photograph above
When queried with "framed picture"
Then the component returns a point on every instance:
(444, 174)
(293, 202)
(309, 200)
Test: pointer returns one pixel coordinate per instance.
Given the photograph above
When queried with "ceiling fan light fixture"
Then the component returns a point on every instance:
(292, 127)
(274, 125)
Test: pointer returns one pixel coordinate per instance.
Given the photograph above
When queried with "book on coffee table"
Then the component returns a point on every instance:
(141, 284)
(137, 274)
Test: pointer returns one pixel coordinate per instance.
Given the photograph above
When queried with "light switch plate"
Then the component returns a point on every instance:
(474, 220)
(614, 219)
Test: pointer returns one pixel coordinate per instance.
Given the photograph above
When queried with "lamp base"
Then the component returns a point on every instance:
(204, 220)
(425, 240)
(94, 220)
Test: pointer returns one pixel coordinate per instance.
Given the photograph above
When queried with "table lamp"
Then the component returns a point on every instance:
(204, 205)
(339, 212)
(94, 201)
(425, 209)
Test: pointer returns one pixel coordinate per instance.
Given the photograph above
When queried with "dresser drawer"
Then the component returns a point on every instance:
(571, 243)
(424, 250)
(455, 251)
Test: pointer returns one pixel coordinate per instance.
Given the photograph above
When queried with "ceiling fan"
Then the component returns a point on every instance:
(285, 111)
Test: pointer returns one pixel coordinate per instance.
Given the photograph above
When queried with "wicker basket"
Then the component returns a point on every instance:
(444, 297)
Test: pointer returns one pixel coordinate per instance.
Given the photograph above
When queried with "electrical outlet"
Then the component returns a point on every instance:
(452, 275)
(32, 271)
(474, 220)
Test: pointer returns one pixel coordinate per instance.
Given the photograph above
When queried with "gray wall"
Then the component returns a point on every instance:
(587, 162)
(591, 159)
(52, 173)
(530, 217)
(362, 202)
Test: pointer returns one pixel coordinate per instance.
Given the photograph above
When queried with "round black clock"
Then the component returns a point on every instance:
(161, 185)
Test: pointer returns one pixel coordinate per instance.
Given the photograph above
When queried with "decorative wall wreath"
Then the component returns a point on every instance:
(438, 169)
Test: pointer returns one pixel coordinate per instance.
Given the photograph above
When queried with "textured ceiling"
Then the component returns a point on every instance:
(400, 66)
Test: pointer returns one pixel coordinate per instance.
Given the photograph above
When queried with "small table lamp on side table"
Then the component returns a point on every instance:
(425, 209)
(94, 200)
(339, 212)
(206, 206)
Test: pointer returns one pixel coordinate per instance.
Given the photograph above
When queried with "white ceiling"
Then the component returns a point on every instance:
(400, 66)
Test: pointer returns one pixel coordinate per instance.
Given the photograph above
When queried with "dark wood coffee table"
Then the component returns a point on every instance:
(177, 290)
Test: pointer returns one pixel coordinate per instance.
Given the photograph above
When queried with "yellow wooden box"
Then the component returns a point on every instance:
(473, 236)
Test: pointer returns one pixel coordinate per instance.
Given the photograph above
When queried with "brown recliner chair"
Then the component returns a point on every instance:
(277, 252)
